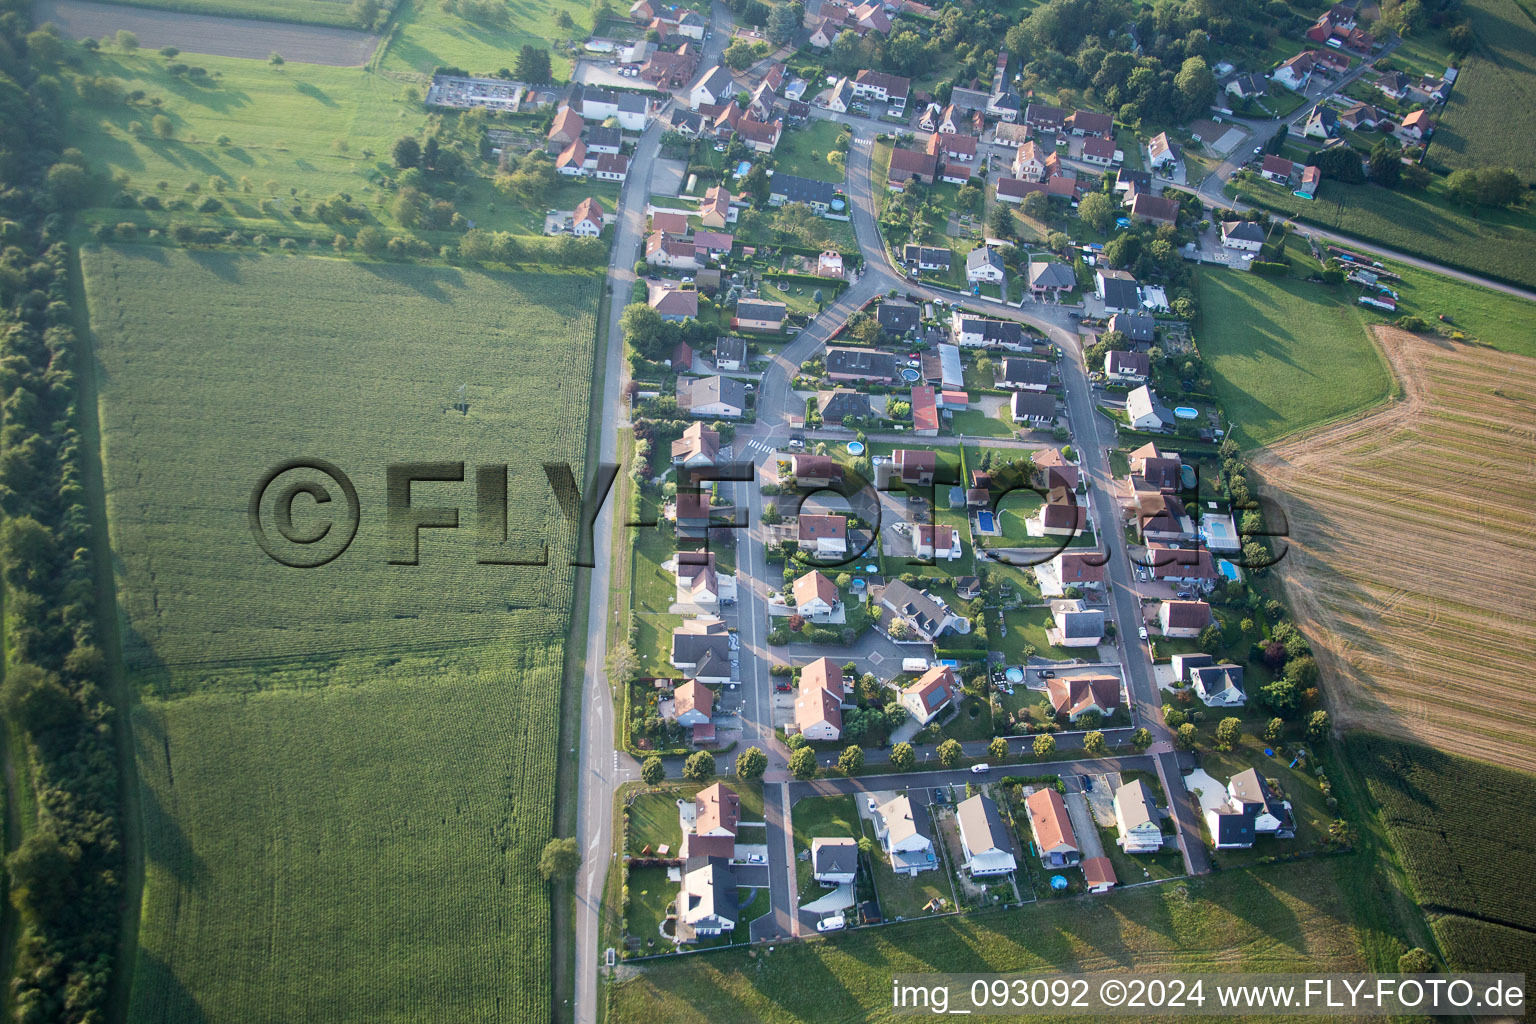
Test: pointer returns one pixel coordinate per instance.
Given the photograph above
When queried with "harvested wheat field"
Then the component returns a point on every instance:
(1412, 535)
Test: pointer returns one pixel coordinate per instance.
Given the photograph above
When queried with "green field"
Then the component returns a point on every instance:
(1490, 117)
(1496, 243)
(1447, 817)
(805, 151)
(1287, 918)
(428, 36)
(261, 139)
(350, 765)
(1493, 318)
(1285, 355)
(324, 12)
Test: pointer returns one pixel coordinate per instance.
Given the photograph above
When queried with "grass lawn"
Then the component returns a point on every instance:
(806, 151)
(428, 36)
(653, 813)
(655, 588)
(1298, 785)
(903, 896)
(1285, 355)
(1427, 224)
(976, 423)
(825, 817)
(799, 296)
(1025, 626)
(973, 721)
(1493, 318)
(650, 892)
(1289, 917)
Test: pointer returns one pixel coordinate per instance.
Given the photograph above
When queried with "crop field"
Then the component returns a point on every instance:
(1497, 243)
(1285, 355)
(428, 36)
(217, 367)
(1410, 539)
(226, 28)
(1289, 918)
(1491, 115)
(358, 852)
(352, 765)
(1437, 808)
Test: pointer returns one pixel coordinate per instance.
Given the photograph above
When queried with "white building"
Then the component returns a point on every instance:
(1142, 410)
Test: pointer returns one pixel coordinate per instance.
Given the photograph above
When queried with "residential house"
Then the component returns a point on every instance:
(714, 87)
(976, 332)
(758, 315)
(1251, 809)
(915, 466)
(1045, 118)
(897, 319)
(1099, 874)
(730, 354)
(1150, 209)
(715, 210)
(1361, 117)
(669, 222)
(825, 536)
(984, 266)
(1081, 569)
(1183, 618)
(910, 165)
(712, 398)
(1128, 367)
(1192, 566)
(829, 263)
(860, 364)
(1163, 154)
(1277, 169)
(938, 542)
(1242, 235)
(1029, 162)
(1296, 73)
(1118, 291)
(1311, 178)
(1101, 152)
(1163, 520)
(815, 471)
(842, 404)
(1144, 412)
(1052, 470)
(699, 583)
(841, 97)
(671, 70)
(1184, 665)
(834, 861)
(694, 703)
(984, 839)
(1033, 408)
(883, 88)
(932, 692)
(1024, 374)
(1219, 685)
(1246, 86)
(701, 649)
(1416, 126)
(565, 129)
(1138, 328)
(869, 17)
(1394, 84)
(674, 303)
(698, 447)
(1052, 828)
(1076, 696)
(926, 258)
(604, 140)
(587, 221)
(816, 596)
(670, 251)
(1015, 190)
(791, 188)
(707, 905)
(1321, 123)
(1131, 182)
(925, 411)
(573, 161)
(926, 615)
(1087, 122)
(760, 136)
(953, 146)
(819, 702)
(712, 243)
(1076, 625)
(968, 104)
(903, 829)
(1050, 279)
(611, 167)
(1136, 819)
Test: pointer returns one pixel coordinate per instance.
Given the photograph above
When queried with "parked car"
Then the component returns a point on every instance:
(835, 923)
(1142, 632)
(978, 769)
(1047, 673)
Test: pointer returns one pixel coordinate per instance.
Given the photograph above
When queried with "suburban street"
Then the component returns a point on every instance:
(603, 768)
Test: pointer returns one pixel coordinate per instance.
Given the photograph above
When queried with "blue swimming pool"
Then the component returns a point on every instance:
(1229, 570)
(984, 522)
(1216, 529)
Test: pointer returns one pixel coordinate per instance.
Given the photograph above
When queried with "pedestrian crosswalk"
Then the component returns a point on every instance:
(759, 446)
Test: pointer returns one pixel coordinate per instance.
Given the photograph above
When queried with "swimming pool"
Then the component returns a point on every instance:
(1184, 412)
(985, 522)
(855, 447)
(1216, 529)
(1229, 570)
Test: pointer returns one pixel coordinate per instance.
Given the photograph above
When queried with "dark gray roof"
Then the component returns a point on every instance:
(1033, 405)
(718, 898)
(840, 404)
(717, 80)
(1235, 828)
(731, 349)
(1026, 371)
(1217, 678)
(983, 257)
(1137, 327)
(690, 648)
(1079, 625)
(1249, 787)
(993, 332)
(1243, 230)
(1121, 294)
(898, 317)
(866, 362)
(756, 309)
(598, 135)
(796, 189)
(969, 99)
(1051, 275)
(932, 256)
(834, 858)
(917, 605)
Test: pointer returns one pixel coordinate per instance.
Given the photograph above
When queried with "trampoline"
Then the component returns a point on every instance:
(985, 522)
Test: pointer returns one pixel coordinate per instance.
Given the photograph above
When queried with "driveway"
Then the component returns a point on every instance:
(1082, 822)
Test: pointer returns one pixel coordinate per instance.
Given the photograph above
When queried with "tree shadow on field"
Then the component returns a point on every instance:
(409, 275)
(314, 92)
(167, 844)
(220, 264)
(161, 993)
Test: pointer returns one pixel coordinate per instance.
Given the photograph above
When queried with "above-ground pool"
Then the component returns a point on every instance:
(1184, 412)
(871, 568)
(984, 522)
(1014, 675)
(1059, 882)
(910, 374)
(855, 447)
(742, 169)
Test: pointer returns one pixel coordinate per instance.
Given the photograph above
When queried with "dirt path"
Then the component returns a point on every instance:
(1411, 534)
(201, 33)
